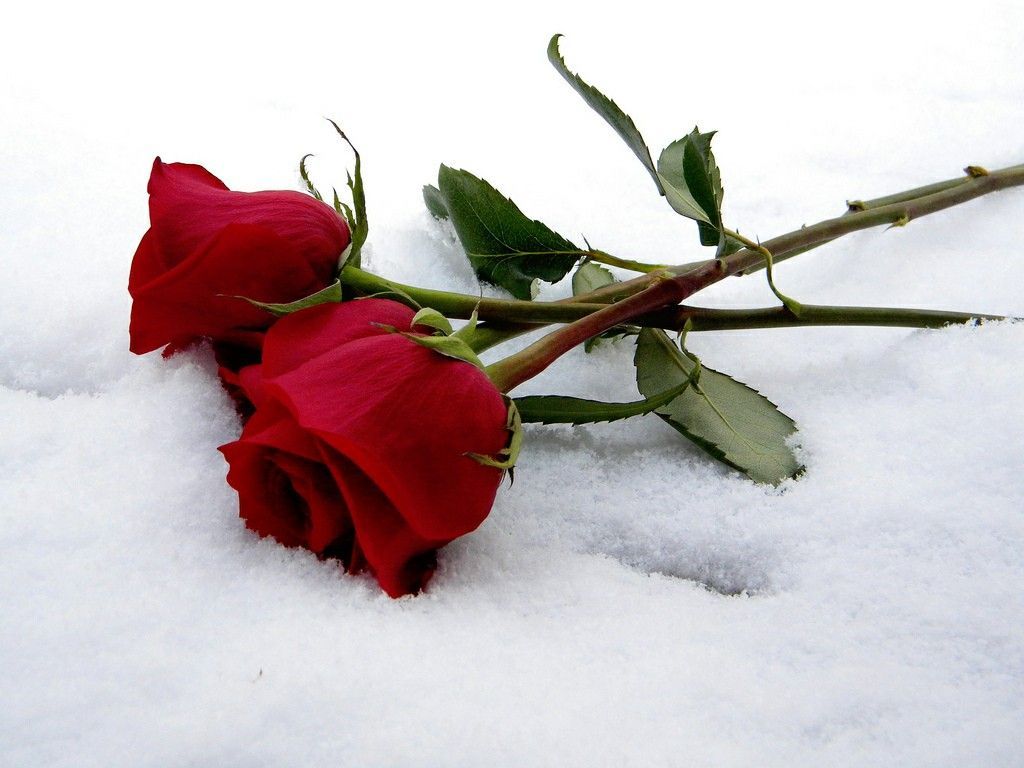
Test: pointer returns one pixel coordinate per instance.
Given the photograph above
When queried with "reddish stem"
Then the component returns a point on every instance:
(663, 291)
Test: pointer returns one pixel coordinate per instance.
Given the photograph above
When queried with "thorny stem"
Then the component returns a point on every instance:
(703, 319)
(535, 313)
(898, 208)
(516, 317)
(509, 373)
(591, 254)
(800, 240)
(657, 290)
(791, 304)
(462, 305)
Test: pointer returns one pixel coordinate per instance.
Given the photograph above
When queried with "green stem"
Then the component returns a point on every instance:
(517, 317)
(486, 336)
(509, 373)
(703, 319)
(462, 305)
(897, 209)
(901, 197)
(656, 291)
(789, 303)
(458, 305)
(801, 240)
(651, 308)
(811, 315)
(781, 247)
(592, 255)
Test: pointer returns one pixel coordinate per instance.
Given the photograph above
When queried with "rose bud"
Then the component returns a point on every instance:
(360, 446)
(207, 245)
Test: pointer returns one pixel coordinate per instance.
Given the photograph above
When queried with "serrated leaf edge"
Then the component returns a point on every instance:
(583, 88)
(711, 447)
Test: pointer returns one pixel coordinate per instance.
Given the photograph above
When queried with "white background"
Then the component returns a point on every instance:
(628, 602)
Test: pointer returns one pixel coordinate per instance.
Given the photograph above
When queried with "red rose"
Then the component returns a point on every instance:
(207, 244)
(359, 445)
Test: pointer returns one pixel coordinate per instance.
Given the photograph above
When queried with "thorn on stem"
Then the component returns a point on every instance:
(975, 171)
(902, 221)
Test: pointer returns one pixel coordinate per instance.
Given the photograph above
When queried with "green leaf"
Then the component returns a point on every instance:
(357, 221)
(435, 202)
(681, 195)
(556, 409)
(332, 293)
(432, 319)
(613, 335)
(704, 181)
(504, 246)
(680, 199)
(725, 417)
(608, 109)
(589, 277)
(694, 188)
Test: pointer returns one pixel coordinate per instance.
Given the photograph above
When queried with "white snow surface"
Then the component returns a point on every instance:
(628, 602)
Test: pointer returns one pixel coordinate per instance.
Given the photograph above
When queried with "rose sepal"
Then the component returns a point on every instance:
(431, 318)
(356, 219)
(332, 293)
(449, 346)
(509, 455)
(443, 341)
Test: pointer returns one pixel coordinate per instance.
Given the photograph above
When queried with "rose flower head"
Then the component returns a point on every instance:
(362, 443)
(207, 245)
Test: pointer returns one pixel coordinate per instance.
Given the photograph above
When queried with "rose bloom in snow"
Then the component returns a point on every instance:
(361, 443)
(207, 245)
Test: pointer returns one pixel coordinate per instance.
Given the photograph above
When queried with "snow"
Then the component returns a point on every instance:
(627, 602)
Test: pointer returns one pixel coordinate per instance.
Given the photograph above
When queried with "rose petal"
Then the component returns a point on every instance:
(147, 264)
(407, 417)
(181, 179)
(273, 427)
(250, 382)
(188, 205)
(198, 296)
(266, 500)
(283, 488)
(299, 337)
(401, 560)
(328, 516)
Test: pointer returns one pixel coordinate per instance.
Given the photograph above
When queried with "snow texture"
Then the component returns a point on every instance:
(628, 602)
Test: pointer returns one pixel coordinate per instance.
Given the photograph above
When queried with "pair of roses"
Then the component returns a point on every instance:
(359, 440)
